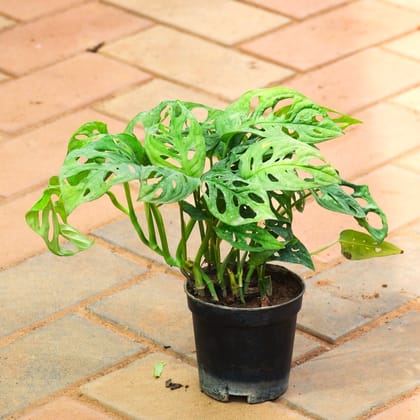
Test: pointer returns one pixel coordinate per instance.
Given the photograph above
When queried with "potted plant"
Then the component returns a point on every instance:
(238, 176)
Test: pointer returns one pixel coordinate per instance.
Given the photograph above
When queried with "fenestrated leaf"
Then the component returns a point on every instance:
(359, 246)
(334, 198)
(164, 185)
(48, 218)
(294, 251)
(282, 163)
(233, 200)
(248, 237)
(85, 134)
(90, 171)
(174, 138)
(281, 109)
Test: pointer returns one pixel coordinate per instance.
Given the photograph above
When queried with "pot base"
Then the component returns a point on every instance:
(253, 393)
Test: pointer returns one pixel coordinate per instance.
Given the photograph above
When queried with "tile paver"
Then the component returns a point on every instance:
(407, 409)
(309, 44)
(410, 161)
(357, 56)
(358, 80)
(145, 307)
(56, 356)
(150, 94)
(73, 83)
(408, 45)
(46, 144)
(410, 99)
(30, 9)
(5, 23)
(390, 186)
(132, 391)
(374, 142)
(360, 374)
(409, 4)
(351, 294)
(225, 21)
(19, 241)
(64, 408)
(39, 293)
(204, 65)
(298, 8)
(53, 38)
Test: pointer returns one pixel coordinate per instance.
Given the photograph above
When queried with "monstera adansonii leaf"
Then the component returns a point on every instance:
(237, 187)
(173, 137)
(358, 203)
(267, 111)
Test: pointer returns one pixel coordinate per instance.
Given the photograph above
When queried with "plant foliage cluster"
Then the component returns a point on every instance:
(238, 176)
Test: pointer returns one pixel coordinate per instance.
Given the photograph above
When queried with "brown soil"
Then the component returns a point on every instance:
(284, 285)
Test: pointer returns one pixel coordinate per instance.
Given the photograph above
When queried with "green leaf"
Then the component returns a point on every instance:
(158, 369)
(294, 251)
(194, 212)
(282, 163)
(174, 138)
(281, 109)
(48, 218)
(359, 246)
(85, 134)
(233, 200)
(248, 237)
(90, 171)
(358, 202)
(164, 185)
(334, 198)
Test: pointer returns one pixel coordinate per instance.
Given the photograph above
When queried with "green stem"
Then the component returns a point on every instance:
(116, 203)
(133, 216)
(166, 253)
(318, 251)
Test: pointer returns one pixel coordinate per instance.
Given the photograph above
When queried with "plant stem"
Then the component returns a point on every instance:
(318, 251)
(166, 253)
(116, 203)
(133, 216)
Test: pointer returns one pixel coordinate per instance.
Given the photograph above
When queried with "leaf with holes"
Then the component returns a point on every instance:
(90, 171)
(282, 163)
(85, 134)
(174, 138)
(233, 200)
(359, 246)
(277, 109)
(248, 237)
(359, 203)
(48, 218)
(164, 185)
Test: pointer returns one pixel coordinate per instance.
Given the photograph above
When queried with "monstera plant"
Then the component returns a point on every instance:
(238, 176)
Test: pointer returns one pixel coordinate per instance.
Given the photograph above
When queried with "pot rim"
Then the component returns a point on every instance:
(262, 308)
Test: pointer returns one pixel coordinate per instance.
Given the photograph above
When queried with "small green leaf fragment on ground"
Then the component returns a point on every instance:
(359, 246)
(158, 369)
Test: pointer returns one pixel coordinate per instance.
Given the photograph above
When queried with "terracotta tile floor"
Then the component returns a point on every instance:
(358, 56)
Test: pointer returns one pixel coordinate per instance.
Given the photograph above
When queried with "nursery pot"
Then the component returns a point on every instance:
(245, 351)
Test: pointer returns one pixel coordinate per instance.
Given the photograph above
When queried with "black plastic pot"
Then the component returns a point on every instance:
(245, 352)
